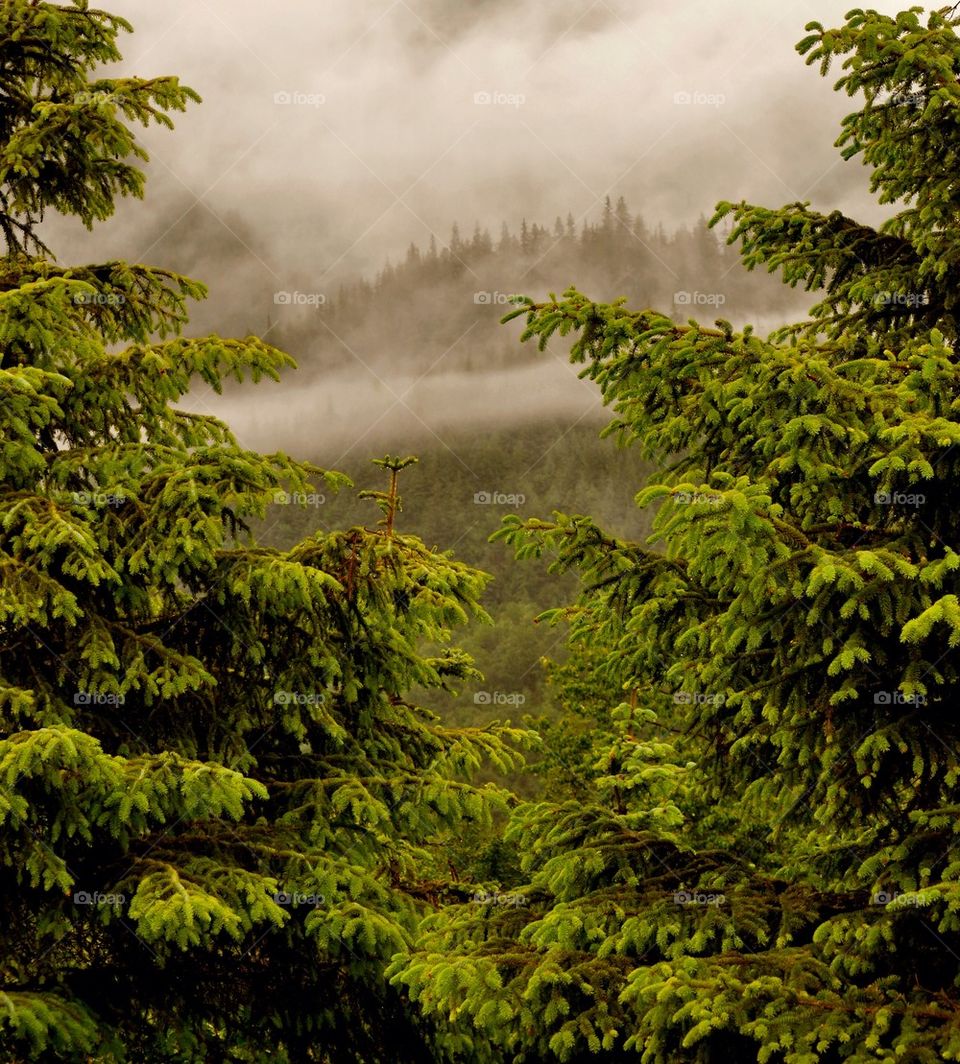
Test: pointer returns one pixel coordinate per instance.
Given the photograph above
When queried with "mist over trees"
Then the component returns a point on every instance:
(257, 800)
(391, 317)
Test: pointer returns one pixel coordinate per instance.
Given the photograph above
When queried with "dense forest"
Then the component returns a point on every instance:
(459, 496)
(690, 272)
(637, 746)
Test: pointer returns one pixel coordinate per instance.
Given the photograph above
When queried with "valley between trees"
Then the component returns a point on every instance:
(538, 746)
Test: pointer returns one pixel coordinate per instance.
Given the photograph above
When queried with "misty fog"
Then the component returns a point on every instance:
(334, 136)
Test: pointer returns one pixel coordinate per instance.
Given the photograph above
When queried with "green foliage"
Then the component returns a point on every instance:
(576, 468)
(389, 501)
(221, 812)
(66, 141)
(758, 860)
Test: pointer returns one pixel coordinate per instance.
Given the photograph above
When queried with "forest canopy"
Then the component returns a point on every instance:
(236, 821)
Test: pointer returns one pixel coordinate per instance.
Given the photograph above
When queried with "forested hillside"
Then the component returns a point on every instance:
(459, 495)
(541, 743)
(438, 310)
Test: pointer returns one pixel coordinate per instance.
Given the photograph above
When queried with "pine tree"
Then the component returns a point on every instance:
(608, 217)
(221, 813)
(640, 230)
(456, 242)
(538, 238)
(766, 866)
(524, 237)
(507, 241)
(481, 244)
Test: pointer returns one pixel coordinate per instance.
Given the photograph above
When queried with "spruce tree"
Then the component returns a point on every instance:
(221, 810)
(766, 865)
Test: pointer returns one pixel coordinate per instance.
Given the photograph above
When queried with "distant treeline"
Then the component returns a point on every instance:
(620, 244)
(438, 309)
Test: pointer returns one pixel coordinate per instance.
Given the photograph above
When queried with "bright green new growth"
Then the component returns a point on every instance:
(389, 501)
(221, 813)
(764, 865)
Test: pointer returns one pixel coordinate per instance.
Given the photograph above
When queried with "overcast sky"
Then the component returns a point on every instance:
(387, 143)
(334, 133)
